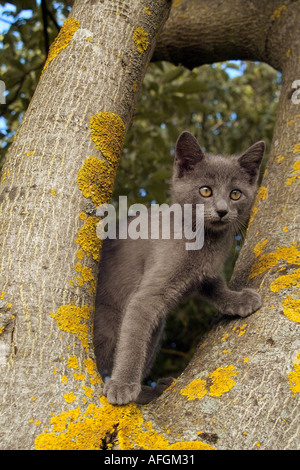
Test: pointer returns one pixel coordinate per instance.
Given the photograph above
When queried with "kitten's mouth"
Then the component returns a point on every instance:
(218, 224)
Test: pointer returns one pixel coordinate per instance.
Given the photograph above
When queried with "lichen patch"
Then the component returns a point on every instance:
(141, 39)
(103, 426)
(65, 35)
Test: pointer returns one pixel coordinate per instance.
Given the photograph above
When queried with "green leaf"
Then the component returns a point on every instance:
(173, 74)
(192, 86)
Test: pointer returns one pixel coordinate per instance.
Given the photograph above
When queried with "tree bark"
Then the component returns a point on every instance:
(202, 32)
(61, 166)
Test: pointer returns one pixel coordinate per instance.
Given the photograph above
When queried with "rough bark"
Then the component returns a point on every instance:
(61, 166)
(202, 32)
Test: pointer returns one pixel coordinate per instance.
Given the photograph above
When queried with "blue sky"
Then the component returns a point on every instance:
(5, 19)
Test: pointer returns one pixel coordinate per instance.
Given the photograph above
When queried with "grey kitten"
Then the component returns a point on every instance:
(141, 280)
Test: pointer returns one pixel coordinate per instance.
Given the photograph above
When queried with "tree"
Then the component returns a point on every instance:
(240, 389)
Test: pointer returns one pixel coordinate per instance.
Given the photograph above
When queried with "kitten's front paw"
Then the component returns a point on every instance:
(244, 303)
(119, 393)
(251, 301)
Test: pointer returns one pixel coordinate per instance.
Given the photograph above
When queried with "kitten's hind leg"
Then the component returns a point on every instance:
(154, 346)
(148, 393)
(105, 338)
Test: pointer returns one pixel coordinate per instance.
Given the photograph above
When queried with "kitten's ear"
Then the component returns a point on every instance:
(251, 160)
(187, 153)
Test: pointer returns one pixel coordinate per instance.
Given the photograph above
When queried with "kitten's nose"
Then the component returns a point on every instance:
(222, 213)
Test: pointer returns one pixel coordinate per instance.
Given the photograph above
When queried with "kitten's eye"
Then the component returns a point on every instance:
(205, 191)
(235, 194)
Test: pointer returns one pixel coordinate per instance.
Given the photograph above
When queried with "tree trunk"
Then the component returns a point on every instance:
(241, 390)
(60, 168)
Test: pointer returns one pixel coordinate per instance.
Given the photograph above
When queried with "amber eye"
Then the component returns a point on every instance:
(235, 194)
(205, 191)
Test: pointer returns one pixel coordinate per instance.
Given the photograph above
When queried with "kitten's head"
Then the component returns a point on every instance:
(225, 185)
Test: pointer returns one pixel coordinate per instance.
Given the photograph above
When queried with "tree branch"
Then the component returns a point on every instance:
(196, 33)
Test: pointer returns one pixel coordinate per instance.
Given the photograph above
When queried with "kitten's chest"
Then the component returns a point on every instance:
(207, 262)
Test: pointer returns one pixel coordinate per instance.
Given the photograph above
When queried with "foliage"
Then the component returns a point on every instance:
(27, 29)
(227, 106)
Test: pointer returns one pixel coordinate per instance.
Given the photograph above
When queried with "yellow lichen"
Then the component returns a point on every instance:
(196, 389)
(296, 149)
(5, 174)
(277, 13)
(240, 330)
(262, 193)
(80, 254)
(267, 261)
(222, 380)
(291, 308)
(87, 274)
(260, 196)
(294, 376)
(295, 174)
(218, 382)
(78, 267)
(280, 158)
(83, 215)
(259, 247)
(65, 35)
(88, 391)
(73, 362)
(140, 39)
(77, 430)
(73, 319)
(108, 134)
(96, 179)
(88, 240)
(70, 397)
(90, 366)
(79, 376)
(79, 281)
(286, 281)
(176, 3)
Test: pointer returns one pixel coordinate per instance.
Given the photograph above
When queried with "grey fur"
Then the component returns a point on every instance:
(141, 280)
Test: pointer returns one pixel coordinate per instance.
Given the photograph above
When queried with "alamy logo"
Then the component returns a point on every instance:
(2, 92)
(158, 222)
(296, 94)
